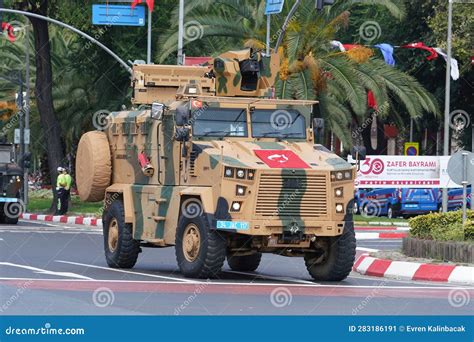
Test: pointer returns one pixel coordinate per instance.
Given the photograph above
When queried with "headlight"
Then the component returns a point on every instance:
(339, 208)
(341, 175)
(339, 192)
(236, 206)
(240, 190)
(240, 173)
(229, 172)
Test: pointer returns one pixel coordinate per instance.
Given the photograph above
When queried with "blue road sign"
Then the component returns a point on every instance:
(274, 6)
(118, 15)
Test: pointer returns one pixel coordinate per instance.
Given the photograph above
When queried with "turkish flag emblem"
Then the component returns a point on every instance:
(281, 159)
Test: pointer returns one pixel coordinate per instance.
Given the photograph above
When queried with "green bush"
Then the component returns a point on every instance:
(443, 226)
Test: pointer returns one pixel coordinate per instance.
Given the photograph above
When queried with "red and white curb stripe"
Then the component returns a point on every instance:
(374, 236)
(81, 220)
(374, 229)
(404, 270)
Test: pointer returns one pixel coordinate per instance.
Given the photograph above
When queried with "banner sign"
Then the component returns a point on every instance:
(118, 15)
(274, 6)
(404, 172)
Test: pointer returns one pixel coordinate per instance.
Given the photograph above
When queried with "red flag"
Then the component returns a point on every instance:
(150, 3)
(371, 102)
(10, 32)
(281, 159)
(350, 46)
(420, 45)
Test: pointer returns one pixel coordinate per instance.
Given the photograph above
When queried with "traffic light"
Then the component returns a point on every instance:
(25, 162)
(321, 3)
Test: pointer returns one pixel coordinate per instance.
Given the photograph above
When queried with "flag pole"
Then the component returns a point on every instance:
(181, 33)
(148, 54)
(448, 97)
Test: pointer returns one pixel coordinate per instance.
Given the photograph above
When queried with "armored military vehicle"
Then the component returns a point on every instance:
(10, 185)
(211, 163)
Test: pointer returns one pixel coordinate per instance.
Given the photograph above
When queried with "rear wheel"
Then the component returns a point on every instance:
(334, 262)
(391, 212)
(200, 251)
(121, 250)
(246, 263)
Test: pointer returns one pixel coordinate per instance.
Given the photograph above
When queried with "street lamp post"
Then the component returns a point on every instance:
(447, 97)
(181, 33)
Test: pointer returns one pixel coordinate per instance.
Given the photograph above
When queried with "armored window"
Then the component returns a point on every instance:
(219, 122)
(144, 128)
(129, 128)
(279, 124)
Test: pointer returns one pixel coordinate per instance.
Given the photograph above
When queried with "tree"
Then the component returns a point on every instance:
(311, 69)
(44, 87)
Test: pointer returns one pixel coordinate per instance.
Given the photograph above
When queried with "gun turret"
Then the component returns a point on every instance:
(245, 73)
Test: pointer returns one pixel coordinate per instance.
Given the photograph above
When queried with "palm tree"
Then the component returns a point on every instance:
(311, 69)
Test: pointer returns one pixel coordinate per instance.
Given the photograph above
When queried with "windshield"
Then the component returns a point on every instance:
(278, 124)
(5, 156)
(220, 122)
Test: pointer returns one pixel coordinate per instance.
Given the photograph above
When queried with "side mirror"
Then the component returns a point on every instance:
(182, 115)
(157, 110)
(358, 153)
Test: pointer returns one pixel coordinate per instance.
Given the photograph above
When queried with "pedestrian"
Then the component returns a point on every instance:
(60, 190)
(67, 192)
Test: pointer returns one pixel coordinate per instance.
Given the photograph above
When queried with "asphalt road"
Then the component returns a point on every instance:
(53, 269)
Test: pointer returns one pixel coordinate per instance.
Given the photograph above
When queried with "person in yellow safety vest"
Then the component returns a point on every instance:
(63, 187)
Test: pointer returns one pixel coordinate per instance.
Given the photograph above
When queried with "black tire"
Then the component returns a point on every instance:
(246, 263)
(391, 212)
(11, 215)
(337, 261)
(212, 249)
(356, 209)
(126, 251)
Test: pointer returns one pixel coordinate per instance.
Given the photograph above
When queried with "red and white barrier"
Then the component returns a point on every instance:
(404, 270)
(81, 220)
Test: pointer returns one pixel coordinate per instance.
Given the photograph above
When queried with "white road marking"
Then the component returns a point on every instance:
(262, 276)
(365, 249)
(127, 272)
(447, 287)
(43, 271)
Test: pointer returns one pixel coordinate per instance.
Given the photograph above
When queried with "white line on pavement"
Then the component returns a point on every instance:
(43, 271)
(436, 287)
(127, 272)
(262, 276)
(365, 249)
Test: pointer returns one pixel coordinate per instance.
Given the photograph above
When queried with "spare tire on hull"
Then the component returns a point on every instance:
(93, 166)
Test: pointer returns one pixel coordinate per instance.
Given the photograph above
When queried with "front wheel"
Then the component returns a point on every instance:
(121, 250)
(200, 251)
(334, 262)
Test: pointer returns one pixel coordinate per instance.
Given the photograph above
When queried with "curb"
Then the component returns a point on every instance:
(404, 270)
(373, 236)
(80, 220)
(373, 229)
(382, 223)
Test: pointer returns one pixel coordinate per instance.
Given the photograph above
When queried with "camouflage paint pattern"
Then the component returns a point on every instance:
(276, 201)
